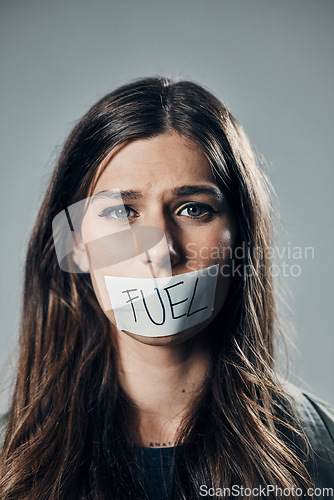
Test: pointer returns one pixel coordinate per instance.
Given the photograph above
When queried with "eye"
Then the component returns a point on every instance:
(120, 212)
(195, 210)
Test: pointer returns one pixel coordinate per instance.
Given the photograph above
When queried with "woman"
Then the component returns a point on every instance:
(146, 361)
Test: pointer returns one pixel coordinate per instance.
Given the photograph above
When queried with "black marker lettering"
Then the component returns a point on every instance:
(172, 304)
(192, 300)
(162, 305)
(131, 299)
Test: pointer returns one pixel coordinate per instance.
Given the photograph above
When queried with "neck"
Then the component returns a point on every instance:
(163, 381)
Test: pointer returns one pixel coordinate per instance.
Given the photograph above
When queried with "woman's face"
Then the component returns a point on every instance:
(166, 184)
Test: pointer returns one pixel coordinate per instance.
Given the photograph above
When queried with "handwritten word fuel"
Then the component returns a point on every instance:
(162, 306)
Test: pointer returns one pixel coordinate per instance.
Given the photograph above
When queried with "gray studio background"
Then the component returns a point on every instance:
(270, 61)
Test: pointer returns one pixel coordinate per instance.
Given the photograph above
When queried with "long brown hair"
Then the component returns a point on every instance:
(69, 432)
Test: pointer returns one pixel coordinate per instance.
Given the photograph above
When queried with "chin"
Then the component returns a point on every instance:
(197, 331)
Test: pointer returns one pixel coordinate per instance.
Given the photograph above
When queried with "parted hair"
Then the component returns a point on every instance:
(71, 427)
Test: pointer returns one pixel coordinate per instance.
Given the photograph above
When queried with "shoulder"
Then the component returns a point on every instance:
(316, 415)
(317, 420)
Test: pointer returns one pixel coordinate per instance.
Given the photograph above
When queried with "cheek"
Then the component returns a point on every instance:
(218, 249)
(100, 288)
(213, 247)
(101, 293)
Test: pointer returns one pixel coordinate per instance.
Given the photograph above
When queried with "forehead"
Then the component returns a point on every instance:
(167, 160)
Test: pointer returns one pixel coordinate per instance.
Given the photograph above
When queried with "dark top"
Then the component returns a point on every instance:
(317, 419)
(157, 464)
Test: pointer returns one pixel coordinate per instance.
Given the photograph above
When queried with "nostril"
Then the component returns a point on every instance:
(148, 258)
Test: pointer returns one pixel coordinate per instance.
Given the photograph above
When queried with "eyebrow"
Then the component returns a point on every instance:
(186, 190)
(117, 195)
(198, 189)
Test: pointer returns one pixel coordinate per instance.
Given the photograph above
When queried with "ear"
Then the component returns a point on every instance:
(80, 256)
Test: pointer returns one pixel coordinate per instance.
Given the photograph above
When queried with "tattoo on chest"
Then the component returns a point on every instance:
(167, 444)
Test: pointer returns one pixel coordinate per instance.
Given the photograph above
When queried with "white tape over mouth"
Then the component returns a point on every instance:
(158, 307)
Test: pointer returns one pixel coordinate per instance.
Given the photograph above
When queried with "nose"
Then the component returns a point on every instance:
(165, 254)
